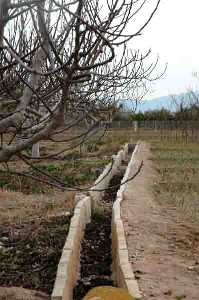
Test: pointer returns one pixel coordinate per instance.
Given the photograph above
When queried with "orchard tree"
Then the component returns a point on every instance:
(63, 62)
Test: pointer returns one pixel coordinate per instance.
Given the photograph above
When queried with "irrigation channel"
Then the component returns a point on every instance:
(96, 258)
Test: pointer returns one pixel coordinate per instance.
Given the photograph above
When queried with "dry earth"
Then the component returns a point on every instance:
(16, 207)
(163, 243)
(21, 294)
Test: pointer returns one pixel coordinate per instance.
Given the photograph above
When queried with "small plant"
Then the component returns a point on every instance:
(48, 168)
(92, 148)
(51, 168)
(70, 180)
(3, 182)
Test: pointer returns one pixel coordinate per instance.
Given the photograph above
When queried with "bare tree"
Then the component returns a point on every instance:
(62, 62)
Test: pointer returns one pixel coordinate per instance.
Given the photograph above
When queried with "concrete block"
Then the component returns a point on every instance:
(122, 270)
(127, 271)
(65, 257)
(76, 220)
(114, 243)
(122, 244)
(123, 257)
(116, 211)
(68, 268)
(120, 279)
(63, 286)
(81, 199)
(70, 241)
(81, 214)
(120, 193)
(133, 288)
(58, 290)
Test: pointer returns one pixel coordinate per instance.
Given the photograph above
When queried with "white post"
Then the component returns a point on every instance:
(135, 123)
(35, 150)
(155, 126)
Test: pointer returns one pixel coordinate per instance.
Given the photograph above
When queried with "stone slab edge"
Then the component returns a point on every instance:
(103, 180)
(69, 264)
(68, 267)
(122, 269)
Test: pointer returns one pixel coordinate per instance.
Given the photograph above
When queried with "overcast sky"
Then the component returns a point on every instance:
(173, 34)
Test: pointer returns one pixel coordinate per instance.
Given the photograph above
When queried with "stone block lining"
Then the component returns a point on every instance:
(122, 270)
(68, 267)
(103, 180)
(69, 264)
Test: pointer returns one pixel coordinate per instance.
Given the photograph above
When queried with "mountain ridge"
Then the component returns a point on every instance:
(165, 102)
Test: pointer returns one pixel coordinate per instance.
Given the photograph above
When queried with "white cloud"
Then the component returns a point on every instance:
(173, 34)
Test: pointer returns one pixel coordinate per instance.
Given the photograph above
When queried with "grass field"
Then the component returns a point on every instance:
(29, 208)
(23, 199)
(178, 168)
(177, 164)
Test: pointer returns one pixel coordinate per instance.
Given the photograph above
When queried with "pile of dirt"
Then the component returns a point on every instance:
(30, 252)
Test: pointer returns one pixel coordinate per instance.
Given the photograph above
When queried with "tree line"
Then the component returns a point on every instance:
(186, 109)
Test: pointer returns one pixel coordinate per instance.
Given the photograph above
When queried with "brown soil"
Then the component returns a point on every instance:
(163, 243)
(30, 252)
(15, 293)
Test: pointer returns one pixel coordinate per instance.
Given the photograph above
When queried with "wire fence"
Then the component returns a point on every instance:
(173, 130)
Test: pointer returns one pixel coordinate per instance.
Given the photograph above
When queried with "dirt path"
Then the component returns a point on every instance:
(163, 244)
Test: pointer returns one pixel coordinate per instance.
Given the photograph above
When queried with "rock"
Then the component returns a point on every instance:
(107, 293)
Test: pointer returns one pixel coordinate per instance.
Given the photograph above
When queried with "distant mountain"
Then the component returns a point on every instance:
(157, 103)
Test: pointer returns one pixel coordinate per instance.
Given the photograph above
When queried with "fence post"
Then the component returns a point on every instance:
(135, 123)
